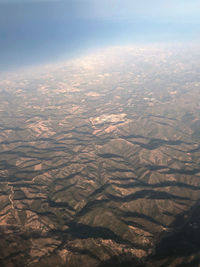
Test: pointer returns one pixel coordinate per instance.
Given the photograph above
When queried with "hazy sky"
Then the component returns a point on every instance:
(36, 31)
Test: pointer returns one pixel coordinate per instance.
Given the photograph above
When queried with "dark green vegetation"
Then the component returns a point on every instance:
(100, 161)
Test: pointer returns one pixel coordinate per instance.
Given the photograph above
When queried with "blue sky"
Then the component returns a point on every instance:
(37, 31)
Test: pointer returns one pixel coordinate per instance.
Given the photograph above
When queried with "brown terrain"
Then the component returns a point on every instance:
(100, 161)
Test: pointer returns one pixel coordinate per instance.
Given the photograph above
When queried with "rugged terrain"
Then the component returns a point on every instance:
(100, 161)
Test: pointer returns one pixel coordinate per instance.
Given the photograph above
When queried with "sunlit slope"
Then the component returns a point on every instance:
(100, 161)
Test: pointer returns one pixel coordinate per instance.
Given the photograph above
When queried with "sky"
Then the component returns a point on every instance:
(44, 31)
